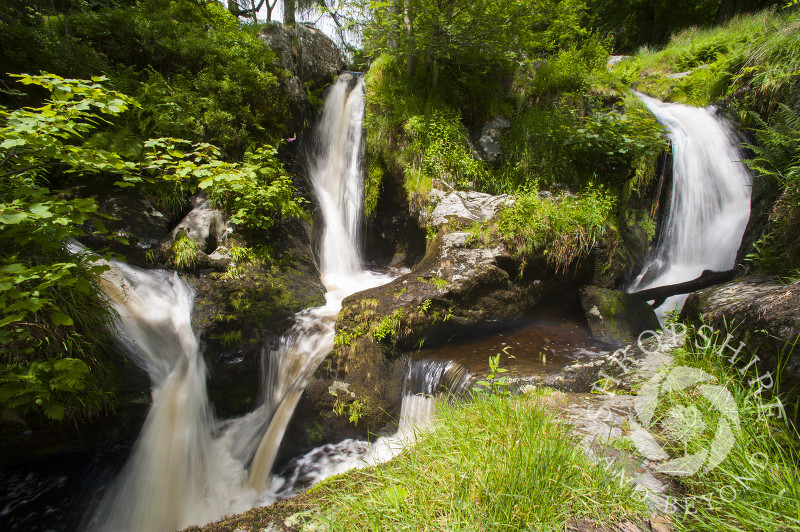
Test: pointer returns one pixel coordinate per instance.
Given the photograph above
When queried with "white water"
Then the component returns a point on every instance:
(423, 385)
(710, 200)
(184, 470)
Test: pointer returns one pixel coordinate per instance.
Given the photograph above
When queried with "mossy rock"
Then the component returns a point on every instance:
(616, 317)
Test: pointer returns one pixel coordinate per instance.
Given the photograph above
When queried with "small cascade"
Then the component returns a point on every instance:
(335, 169)
(426, 383)
(710, 200)
(163, 478)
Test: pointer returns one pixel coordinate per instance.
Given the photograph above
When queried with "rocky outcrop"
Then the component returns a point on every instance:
(465, 205)
(762, 313)
(615, 317)
(488, 141)
(305, 52)
(204, 224)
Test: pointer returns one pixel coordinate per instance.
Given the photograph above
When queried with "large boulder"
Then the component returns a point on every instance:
(615, 317)
(304, 51)
(204, 224)
(760, 311)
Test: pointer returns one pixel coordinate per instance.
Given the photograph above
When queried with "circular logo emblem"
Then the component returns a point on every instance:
(686, 411)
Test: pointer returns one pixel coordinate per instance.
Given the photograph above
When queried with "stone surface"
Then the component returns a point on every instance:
(304, 51)
(466, 205)
(616, 317)
(760, 311)
(204, 224)
(488, 142)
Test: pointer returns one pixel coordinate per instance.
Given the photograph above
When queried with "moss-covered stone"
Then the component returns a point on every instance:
(234, 315)
(616, 317)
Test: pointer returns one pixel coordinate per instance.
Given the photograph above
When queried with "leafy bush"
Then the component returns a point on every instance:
(550, 144)
(51, 304)
(53, 316)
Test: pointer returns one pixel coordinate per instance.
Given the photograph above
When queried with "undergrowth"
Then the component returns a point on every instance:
(563, 229)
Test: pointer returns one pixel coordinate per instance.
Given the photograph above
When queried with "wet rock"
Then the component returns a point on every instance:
(467, 206)
(306, 52)
(135, 218)
(236, 316)
(615, 317)
(488, 142)
(759, 311)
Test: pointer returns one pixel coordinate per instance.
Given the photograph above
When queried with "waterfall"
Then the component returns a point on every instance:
(710, 200)
(168, 467)
(184, 469)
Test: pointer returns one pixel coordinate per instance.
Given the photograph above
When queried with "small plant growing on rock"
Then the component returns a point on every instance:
(346, 402)
(184, 252)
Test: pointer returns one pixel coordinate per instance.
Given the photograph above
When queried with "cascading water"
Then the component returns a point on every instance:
(185, 470)
(710, 200)
(424, 384)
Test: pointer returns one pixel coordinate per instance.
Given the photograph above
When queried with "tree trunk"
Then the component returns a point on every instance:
(288, 12)
(411, 49)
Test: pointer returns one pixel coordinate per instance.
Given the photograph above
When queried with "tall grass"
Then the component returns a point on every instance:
(757, 486)
(760, 51)
(492, 464)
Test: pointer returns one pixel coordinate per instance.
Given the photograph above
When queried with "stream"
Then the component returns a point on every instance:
(186, 467)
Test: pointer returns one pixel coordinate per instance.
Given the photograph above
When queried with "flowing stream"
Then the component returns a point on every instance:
(710, 200)
(186, 468)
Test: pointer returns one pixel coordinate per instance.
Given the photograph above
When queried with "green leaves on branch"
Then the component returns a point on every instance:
(52, 309)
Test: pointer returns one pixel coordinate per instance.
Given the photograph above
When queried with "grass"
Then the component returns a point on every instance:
(184, 252)
(562, 229)
(760, 51)
(492, 464)
(757, 485)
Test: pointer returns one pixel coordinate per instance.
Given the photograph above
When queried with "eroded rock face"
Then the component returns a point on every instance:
(467, 206)
(615, 317)
(306, 52)
(760, 311)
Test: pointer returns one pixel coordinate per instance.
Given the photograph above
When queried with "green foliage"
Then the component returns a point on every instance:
(758, 52)
(550, 144)
(563, 230)
(184, 252)
(492, 464)
(51, 307)
(51, 304)
(492, 383)
(389, 326)
(240, 257)
(347, 403)
(634, 23)
(777, 156)
(196, 71)
(439, 149)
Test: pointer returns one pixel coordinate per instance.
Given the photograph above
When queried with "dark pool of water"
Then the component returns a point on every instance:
(538, 347)
(55, 495)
